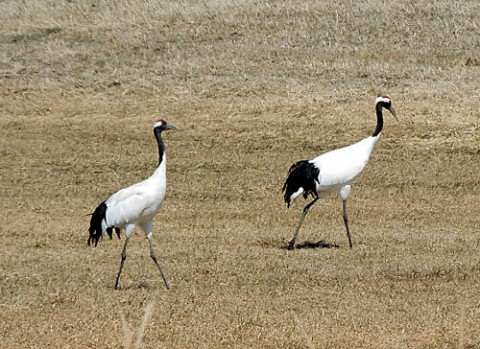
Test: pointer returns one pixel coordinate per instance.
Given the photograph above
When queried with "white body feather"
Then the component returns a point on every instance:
(339, 168)
(139, 203)
(342, 166)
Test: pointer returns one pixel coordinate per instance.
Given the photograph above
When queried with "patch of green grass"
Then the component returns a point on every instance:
(35, 34)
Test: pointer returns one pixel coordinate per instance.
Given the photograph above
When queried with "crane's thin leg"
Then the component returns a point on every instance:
(124, 256)
(291, 245)
(345, 219)
(154, 257)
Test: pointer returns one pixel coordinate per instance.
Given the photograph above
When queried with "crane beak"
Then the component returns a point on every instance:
(393, 112)
(171, 127)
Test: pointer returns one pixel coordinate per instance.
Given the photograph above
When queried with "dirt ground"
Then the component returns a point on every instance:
(253, 86)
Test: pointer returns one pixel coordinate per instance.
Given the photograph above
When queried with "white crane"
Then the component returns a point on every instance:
(332, 172)
(134, 206)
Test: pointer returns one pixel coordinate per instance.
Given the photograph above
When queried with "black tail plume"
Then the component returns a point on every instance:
(302, 174)
(95, 229)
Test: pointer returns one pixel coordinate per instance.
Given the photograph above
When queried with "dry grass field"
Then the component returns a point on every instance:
(254, 86)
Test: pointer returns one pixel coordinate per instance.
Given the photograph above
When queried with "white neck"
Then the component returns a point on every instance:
(161, 171)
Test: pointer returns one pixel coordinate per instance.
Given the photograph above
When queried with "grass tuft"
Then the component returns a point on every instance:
(128, 340)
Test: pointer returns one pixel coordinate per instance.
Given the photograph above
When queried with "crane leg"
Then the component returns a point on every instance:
(345, 219)
(154, 258)
(291, 245)
(124, 256)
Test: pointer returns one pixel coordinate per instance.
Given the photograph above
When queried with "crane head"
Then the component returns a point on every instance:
(386, 102)
(162, 125)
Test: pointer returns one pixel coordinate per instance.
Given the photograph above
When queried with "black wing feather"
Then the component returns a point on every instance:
(302, 174)
(95, 229)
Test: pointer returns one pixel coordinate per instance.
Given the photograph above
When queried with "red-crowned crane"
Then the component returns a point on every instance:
(332, 172)
(134, 206)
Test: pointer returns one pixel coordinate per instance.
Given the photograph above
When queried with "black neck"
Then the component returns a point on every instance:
(379, 127)
(161, 147)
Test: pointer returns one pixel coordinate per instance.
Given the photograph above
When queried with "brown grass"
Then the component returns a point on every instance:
(254, 86)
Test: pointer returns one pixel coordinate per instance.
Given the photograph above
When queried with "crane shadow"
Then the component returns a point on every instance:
(313, 245)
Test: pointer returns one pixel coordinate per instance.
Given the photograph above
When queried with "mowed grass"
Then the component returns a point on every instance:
(254, 86)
